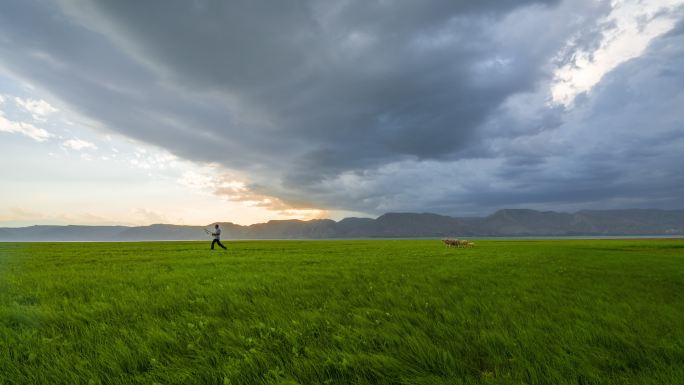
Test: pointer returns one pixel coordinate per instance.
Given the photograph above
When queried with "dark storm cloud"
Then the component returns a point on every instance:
(621, 146)
(314, 99)
(326, 79)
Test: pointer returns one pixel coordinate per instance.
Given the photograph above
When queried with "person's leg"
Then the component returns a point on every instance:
(220, 244)
(213, 243)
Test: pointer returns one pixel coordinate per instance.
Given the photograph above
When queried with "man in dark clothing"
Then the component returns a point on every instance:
(217, 237)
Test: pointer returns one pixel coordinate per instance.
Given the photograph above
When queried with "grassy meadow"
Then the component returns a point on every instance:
(343, 312)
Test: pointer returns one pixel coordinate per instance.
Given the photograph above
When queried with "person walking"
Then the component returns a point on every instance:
(217, 237)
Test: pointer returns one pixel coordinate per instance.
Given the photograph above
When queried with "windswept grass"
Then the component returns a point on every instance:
(343, 312)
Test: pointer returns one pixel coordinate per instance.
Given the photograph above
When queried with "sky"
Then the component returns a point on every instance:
(190, 112)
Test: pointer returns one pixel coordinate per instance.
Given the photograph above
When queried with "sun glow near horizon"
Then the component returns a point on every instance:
(81, 175)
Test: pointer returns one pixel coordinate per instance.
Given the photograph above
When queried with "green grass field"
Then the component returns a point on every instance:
(343, 312)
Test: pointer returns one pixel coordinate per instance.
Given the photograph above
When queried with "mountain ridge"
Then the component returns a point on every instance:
(504, 222)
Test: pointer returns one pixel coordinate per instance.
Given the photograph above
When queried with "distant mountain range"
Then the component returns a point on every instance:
(509, 222)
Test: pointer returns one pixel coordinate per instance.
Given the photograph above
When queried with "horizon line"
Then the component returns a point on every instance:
(329, 219)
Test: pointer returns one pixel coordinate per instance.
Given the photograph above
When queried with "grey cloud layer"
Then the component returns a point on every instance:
(361, 105)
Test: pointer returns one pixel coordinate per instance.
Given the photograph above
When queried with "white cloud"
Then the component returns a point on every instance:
(37, 107)
(629, 28)
(79, 144)
(152, 160)
(33, 132)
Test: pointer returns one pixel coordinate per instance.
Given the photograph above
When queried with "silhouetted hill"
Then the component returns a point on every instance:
(529, 222)
(417, 225)
(161, 232)
(630, 221)
(355, 227)
(508, 222)
(279, 229)
(62, 233)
